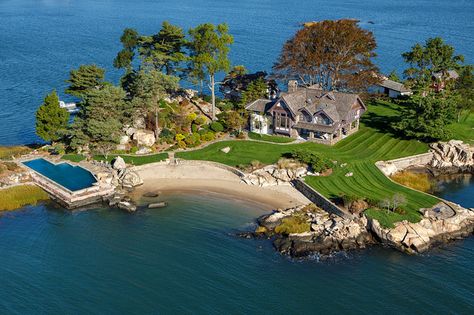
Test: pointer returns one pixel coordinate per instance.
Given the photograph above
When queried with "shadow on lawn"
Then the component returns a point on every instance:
(383, 123)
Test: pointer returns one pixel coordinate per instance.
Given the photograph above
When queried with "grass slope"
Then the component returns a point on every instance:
(464, 129)
(375, 141)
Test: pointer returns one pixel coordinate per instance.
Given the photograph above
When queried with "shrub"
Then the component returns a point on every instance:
(200, 120)
(191, 117)
(293, 224)
(208, 136)
(316, 162)
(193, 140)
(180, 137)
(181, 144)
(194, 128)
(348, 199)
(217, 127)
(133, 149)
(256, 164)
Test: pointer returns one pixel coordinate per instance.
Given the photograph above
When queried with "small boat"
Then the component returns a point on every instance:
(70, 107)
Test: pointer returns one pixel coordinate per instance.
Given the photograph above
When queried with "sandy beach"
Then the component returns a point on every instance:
(204, 178)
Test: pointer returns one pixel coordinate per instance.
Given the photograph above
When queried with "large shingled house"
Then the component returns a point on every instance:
(309, 113)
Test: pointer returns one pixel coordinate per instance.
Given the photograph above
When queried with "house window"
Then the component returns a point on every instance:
(305, 117)
(282, 121)
(323, 120)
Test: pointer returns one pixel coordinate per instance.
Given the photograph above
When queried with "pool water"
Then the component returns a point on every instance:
(69, 176)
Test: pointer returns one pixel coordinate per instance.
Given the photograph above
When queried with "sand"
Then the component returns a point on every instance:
(204, 178)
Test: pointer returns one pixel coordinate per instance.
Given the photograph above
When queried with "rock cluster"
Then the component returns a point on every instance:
(124, 179)
(123, 176)
(274, 175)
(453, 156)
(440, 224)
(328, 232)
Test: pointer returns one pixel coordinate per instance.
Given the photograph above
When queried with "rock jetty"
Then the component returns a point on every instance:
(452, 157)
(323, 233)
(440, 224)
(308, 230)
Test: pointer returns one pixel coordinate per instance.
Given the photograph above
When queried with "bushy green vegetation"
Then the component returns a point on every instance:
(20, 196)
(135, 160)
(315, 161)
(8, 152)
(270, 138)
(293, 224)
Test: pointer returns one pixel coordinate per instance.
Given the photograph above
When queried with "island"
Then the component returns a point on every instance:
(327, 141)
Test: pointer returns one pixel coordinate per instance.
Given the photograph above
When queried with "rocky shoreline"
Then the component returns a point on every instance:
(317, 232)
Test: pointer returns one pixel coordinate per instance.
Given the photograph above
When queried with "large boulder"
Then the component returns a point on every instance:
(131, 179)
(144, 138)
(119, 164)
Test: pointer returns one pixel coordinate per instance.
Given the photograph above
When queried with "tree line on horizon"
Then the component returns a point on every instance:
(335, 55)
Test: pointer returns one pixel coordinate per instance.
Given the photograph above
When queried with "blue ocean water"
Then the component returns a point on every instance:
(67, 175)
(41, 40)
(186, 259)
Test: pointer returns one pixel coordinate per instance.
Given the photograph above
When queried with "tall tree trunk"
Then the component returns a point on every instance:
(213, 94)
(156, 122)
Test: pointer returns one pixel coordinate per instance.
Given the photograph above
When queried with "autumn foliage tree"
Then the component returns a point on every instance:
(337, 55)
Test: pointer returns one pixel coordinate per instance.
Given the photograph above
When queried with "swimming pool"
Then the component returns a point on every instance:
(71, 177)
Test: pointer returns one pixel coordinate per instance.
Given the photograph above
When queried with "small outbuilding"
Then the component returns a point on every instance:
(391, 89)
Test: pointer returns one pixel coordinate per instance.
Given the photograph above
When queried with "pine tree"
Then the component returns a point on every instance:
(51, 119)
(209, 50)
(84, 80)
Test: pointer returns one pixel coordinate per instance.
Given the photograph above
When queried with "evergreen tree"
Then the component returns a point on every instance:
(394, 76)
(149, 88)
(85, 79)
(101, 119)
(130, 40)
(51, 119)
(164, 51)
(209, 48)
(255, 90)
(427, 118)
(424, 60)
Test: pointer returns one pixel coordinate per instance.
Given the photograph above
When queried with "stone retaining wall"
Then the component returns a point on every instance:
(319, 200)
(393, 166)
(213, 164)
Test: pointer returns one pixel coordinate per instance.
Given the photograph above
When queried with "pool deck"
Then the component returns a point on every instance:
(67, 198)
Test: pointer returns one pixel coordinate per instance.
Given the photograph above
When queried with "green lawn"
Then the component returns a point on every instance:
(464, 129)
(135, 160)
(268, 138)
(360, 151)
(73, 157)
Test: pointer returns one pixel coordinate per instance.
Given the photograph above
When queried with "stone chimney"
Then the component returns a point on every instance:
(292, 86)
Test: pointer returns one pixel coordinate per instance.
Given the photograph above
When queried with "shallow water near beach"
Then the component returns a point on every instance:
(186, 258)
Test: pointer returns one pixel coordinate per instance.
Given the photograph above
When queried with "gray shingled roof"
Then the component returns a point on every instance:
(395, 86)
(311, 99)
(260, 105)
